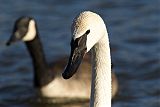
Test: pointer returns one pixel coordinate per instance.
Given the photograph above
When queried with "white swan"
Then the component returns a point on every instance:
(89, 32)
(47, 79)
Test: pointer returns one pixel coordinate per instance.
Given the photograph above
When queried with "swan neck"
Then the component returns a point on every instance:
(101, 74)
(41, 71)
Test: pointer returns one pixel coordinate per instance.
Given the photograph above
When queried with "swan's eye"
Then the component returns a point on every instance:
(79, 42)
(87, 32)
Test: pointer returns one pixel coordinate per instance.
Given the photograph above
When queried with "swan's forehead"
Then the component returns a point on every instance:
(85, 21)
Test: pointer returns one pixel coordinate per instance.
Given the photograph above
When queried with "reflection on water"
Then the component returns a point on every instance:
(133, 28)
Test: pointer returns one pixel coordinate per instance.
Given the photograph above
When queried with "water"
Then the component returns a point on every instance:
(133, 26)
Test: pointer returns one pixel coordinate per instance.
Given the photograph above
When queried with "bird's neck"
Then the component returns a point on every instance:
(101, 74)
(41, 71)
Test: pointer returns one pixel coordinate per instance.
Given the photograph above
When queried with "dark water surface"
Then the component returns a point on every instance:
(134, 32)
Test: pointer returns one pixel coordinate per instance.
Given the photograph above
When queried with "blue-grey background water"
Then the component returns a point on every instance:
(134, 32)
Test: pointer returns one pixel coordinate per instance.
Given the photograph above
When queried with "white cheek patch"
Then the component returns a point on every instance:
(31, 34)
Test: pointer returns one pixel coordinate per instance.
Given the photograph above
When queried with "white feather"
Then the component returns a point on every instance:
(30, 35)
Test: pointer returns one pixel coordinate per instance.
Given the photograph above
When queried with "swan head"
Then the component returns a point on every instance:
(24, 30)
(87, 29)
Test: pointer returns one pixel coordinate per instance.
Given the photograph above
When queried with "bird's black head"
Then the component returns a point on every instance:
(24, 29)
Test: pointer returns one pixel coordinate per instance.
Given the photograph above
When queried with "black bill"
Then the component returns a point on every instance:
(78, 50)
(12, 40)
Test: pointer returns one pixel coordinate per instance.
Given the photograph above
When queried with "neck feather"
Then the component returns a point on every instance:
(101, 74)
(42, 74)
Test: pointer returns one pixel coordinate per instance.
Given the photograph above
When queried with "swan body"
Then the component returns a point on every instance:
(90, 33)
(47, 79)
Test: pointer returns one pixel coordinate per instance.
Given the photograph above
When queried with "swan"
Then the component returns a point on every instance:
(89, 32)
(47, 77)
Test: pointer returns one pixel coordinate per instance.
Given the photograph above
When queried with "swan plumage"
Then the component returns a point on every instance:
(89, 33)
